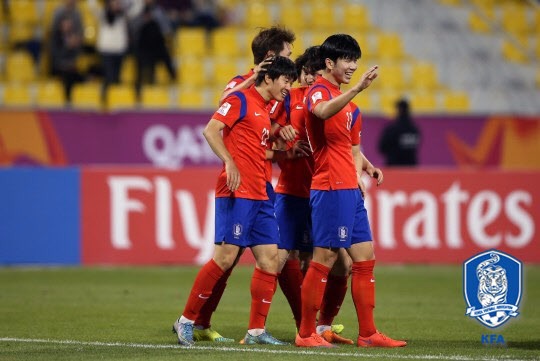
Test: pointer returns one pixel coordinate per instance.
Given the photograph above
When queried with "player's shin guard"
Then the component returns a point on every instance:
(206, 279)
(263, 285)
(363, 293)
(312, 294)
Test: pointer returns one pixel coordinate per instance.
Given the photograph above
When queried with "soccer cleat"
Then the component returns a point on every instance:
(314, 340)
(184, 332)
(379, 340)
(333, 337)
(264, 338)
(208, 334)
(337, 328)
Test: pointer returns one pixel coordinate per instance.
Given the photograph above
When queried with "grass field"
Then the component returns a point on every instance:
(127, 313)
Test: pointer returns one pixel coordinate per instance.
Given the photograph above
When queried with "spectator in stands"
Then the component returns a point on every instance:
(400, 140)
(113, 38)
(66, 45)
(151, 46)
(198, 13)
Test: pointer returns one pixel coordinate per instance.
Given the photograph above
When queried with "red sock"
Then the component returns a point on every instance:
(290, 280)
(263, 286)
(312, 293)
(208, 276)
(205, 314)
(363, 293)
(335, 292)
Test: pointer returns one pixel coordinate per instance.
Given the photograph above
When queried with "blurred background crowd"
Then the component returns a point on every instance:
(444, 56)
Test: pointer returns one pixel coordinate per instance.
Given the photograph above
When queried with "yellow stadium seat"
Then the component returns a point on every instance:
(162, 74)
(190, 42)
(17, 95)
(191, 98)
(294, 17)
(389, 46)
(257, 15)
(512, 53)
(424, 76)
(191, 72)
(387, 101)
(391, 77)
(456, 102)
(155, 97)
(224, 71)
(424, 102)
(355, 18)
(49, 8)
(20, 33)
(514, 19)
(225, 43)
(128, 71)
(50, 94)
(478, 24)
(323, 17)
(120, 96)
(24, 11)
(86, 96)
(20, 67)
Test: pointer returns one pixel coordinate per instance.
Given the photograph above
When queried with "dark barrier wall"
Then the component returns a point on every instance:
(174, 140)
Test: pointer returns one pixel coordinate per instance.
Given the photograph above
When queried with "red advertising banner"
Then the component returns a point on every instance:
(150, 216)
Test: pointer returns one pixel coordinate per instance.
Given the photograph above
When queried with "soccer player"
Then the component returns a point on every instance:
(293, 210)
(244, 212)
(269, 42)
(339, 218)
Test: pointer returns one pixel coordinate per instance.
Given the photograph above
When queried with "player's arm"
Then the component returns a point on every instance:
(326, 109)
(300, 149)
(358, 164)
(371, 170)
(212, 133)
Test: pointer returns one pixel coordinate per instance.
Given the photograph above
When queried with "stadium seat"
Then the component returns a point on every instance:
(391, 77)
(24, 11)
(49, 7)
(424, 76)
(355, 18)
(128, 71)
(191, 98)
(257, 15)
(190, 42)
(17, 95)
(121, 97)
(424, 102)
(478, 24)
(19, 33)
(387, 101)
(514, 19)
(455, 102)
(191, 72)
(86, 96)
(513, 53)
(224, 70)
(389, 46)
(50, 94)
(323, 17)
(20, 67)
(294, 17)
(155, 97)
(162, 74)
(225, 43)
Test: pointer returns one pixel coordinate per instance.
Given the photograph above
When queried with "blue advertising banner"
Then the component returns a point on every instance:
(39, 216)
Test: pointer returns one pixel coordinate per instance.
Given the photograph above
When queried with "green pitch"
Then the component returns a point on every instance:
(127, 313)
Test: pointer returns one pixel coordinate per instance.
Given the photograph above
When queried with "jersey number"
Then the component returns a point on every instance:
(264, 137)
(349, 120)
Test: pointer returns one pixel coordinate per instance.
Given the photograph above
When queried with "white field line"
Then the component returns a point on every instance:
(254, 350)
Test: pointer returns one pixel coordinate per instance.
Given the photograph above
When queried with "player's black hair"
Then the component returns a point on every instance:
(340, 46)
(310, 61)
(270, 40)
(279, 66)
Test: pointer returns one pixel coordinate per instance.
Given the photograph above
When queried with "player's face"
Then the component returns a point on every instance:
(280, 88)
(287, 50)
(344, 69)
(307, 78)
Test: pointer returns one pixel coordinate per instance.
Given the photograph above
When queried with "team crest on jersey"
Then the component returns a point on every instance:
(316, 96)
(237, 230)
(492, 284)
(343, 233)
(224, 108)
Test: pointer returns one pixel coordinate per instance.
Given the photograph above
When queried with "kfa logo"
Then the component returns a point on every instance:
(343, 233)
(492, 284)
(237, 230)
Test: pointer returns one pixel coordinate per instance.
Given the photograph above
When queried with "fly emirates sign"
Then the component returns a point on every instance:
(148, 216)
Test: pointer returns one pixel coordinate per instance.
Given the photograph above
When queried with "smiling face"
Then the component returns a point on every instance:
(342, 70)
(279, 88)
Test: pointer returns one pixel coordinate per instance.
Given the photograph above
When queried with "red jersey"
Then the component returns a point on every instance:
(331, 139)
(246, 133)
(295, 176)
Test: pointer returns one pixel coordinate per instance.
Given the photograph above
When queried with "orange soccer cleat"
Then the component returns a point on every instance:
(379, 340)
(333, 337)
(312, 341)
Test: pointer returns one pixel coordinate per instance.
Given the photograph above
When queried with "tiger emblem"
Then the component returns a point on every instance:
(492, 282)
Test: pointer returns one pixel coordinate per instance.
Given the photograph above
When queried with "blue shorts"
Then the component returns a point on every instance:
(270, 192)
(294, 219)
(245, 222)
(339, 218)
